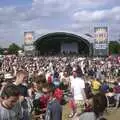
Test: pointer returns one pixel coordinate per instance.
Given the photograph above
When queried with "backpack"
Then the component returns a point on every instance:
(54, 111)
(48, 114)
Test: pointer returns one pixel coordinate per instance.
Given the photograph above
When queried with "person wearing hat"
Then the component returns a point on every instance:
(8, 76)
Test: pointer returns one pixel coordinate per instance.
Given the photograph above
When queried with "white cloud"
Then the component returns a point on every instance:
(57, 7)
(108, 15)
(87, 16)
(104, 17)
(58, 15)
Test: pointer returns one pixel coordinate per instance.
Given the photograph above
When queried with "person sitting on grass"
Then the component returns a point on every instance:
(99, 104)
(111, 98)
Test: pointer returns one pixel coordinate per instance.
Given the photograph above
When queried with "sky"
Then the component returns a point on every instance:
(43, 16)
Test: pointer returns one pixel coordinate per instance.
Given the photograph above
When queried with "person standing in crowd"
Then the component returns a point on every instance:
(10, 108)
(104, 87)
(54, 109)
(21, 77)
(43, 100)
(117, 92)
(95, 85)
(79, 97)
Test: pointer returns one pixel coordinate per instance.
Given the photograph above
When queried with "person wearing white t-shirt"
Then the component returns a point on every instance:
(77, 89)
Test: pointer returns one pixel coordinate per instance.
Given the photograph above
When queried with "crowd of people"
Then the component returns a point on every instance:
(38, 87)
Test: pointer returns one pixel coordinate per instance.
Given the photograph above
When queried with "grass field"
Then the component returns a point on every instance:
(113, 114)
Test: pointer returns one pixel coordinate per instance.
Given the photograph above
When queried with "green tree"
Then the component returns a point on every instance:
(1, 50)
(114, 47)
(13, 48)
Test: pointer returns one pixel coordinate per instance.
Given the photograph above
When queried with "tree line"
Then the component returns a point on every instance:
(114, 48)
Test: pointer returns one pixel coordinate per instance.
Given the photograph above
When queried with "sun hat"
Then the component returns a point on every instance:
(8, 76)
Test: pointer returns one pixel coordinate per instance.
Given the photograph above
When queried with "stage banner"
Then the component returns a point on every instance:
(101, 35)
(101, 46)
(29, 48)
(101, 41)
(28, 38)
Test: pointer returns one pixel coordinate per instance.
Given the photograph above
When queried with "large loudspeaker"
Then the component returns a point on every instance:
(69, 47)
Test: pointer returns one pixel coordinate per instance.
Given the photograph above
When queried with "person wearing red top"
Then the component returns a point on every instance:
(44, 98)
(49, 79)
(58, 94)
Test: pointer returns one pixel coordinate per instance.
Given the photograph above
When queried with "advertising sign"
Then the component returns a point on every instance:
(100, 46)
(28, 38)
(29, 48)
(101, 41)
(101, 34)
